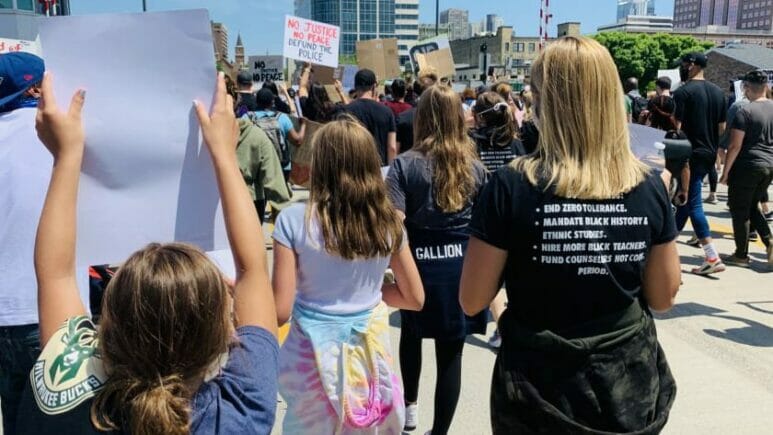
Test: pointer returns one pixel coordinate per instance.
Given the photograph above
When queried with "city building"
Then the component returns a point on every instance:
(220, 41)
(626, 8)
(427, 31)
(358, 19)
(18, 18)
(493, 23)
(477, 28)
(498, 47)
(733, 14)
(734, 60)
(458, 21)
(406, 27)
(641, 24)
(571, 28)
(239, 56)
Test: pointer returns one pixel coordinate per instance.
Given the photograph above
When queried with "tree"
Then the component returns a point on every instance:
(642, 55)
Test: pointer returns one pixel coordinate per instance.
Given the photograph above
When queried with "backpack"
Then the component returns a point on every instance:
(638, 105)
(270, 125)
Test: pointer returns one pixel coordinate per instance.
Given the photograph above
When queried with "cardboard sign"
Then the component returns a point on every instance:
(379, 56)
(13, 45)
(345, 74)
(266, 68)
(332, 93)
(673, 74)
(300, 174)
(154, 181)
(426, 46)
(311, 41)
(441, 61)
(324, 74)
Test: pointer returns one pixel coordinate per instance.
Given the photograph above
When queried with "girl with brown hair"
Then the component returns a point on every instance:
(434, 186)
(178, 350)
(583, 234)
(495, 132)
(330, 256)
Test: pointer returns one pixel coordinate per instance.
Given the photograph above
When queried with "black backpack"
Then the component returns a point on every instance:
(638, 105)
(270, 125)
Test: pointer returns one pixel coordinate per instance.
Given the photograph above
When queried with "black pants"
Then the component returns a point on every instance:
(713, 179)
(746, 188)
(449, 376)
(260, 207)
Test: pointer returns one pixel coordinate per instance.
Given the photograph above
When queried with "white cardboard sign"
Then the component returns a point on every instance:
(14, 45)
(147, 176)
(311, 41)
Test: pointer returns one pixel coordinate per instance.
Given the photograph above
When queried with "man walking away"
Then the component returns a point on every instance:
(700, 113)
(245, 98)
(749, 168)
(376, 117)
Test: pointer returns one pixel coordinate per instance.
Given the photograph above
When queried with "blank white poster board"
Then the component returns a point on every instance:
(146, 174)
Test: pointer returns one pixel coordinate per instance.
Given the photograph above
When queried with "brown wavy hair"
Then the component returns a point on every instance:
(160, 300)
(501, 123)
(441, 135)
(348, 193)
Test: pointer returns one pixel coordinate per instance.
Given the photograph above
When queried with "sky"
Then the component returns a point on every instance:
(260, 21)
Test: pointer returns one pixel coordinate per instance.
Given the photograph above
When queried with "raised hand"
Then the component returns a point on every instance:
(219, 127)
(61, 132)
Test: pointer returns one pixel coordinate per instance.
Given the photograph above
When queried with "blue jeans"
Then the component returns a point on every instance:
(19, 348)
(694, 207)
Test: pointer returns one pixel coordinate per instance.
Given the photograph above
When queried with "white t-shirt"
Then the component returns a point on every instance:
(25, 170)
(326, 282)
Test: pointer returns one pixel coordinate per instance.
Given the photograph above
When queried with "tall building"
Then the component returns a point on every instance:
(18, 18)
(626, 8)
(494, 22)
(239, 56)
(458, 21)
(220, 41)
(406, 27)
(733, 14)
(477, 28)
(358, 19)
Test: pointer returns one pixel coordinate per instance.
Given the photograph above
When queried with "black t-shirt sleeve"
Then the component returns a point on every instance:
(680, 100)
(396, 185)
(740, 120)
(665, 230)
(392, 122)
(492, 214)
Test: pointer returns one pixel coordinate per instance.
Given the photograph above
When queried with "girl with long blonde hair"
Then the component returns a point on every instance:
(435, 186)
(583, 234)
(330, 256)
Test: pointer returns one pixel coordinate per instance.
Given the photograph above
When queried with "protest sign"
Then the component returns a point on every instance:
(311, 41)
(12, 45)
(332, 93)
(441, 61)
(324, 74)
(266, 68)
(146, 174)
(427, 46)
(738, 88)
(345, 74)
(379, 56)
(672, 74)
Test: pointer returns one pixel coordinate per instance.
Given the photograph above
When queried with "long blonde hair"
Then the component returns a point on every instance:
(440, 134)
(160, 299)
(584, 145)
(348, 193)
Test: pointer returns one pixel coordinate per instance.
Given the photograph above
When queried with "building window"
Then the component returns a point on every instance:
(532, 47)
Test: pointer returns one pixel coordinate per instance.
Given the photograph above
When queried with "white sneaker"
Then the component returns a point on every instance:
(411, 417)
(709, 267)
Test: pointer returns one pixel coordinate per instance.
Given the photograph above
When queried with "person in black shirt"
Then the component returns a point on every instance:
(584, 236)
(700, 113)
(495, 132)
(749, 168)
(245, 100)
(376, 117)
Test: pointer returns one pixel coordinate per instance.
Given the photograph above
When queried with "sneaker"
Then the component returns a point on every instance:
(711, 199)
(769, 216)
(694, 242)
(709, 267)
(496, 340)
(753, 236)
(411, 417)
(732, 260)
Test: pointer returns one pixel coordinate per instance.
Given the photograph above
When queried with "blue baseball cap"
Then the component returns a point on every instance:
(18, 72)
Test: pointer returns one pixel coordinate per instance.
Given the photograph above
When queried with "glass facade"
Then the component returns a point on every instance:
(358, 19)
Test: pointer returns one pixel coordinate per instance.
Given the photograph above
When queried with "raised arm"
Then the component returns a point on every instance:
(62, 133)
(253, 297)
(341, 94)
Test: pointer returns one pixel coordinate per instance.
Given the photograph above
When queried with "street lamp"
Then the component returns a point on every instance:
(144, 5)
(437, 17)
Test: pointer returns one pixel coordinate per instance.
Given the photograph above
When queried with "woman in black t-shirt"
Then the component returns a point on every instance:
(434, 185)
(495, 132)
(583, 234)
